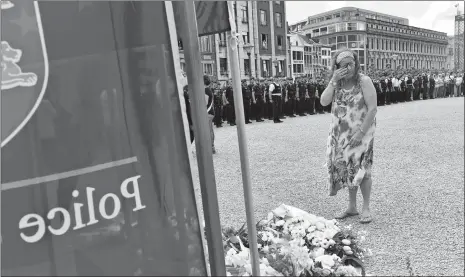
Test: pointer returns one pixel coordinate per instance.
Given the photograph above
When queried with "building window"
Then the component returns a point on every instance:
(262, 18)
(297, 56)
(246, 38)
(279, 22)
(298, 68)
(331, 29)
(279, 40)
(245, 14)
(247, 67)
(264, 41)
(205, 44)
(180, 45)
(224, 66)
(351, 26)
(222, 39)
(208, 68)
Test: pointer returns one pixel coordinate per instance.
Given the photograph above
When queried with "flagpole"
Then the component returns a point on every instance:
(242, 139)
(203, 143)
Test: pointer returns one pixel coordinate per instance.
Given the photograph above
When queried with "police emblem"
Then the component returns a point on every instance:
(24, 65)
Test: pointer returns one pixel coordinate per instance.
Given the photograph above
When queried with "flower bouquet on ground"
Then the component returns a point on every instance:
(293, 242)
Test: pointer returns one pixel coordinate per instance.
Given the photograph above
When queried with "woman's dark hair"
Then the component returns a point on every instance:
(333, 64)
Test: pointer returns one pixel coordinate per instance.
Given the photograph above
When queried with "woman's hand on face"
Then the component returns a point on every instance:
(339, 73)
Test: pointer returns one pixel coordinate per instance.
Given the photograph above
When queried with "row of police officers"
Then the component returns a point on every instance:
(272, 99)
(404, 88)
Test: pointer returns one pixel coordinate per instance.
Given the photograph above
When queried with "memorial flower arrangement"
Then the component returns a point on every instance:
(295, 243)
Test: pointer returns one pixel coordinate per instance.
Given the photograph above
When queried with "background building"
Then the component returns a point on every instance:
(263, 50)
(381, 40)
(307, 58)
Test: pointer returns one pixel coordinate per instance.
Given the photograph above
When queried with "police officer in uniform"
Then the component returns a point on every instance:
(403, 89)
(320, 88)
(310, 96)
(268, 104)
(416, 87)
(258, 91)
(383, 86)
(230, 106)
(291, 100)
(283, 88)
(378, 91)
(218, 106)
(301, 101)
(246, 99)
(425, 87)
(275, 95)
(389, 90)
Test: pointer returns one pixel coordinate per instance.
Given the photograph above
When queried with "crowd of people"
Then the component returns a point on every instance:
(278, 98)
(410, 86)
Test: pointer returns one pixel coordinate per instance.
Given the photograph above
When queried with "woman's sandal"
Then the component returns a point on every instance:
(366, 219)
(346, 214)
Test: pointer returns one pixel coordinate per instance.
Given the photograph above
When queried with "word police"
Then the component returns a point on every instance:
(36, 221)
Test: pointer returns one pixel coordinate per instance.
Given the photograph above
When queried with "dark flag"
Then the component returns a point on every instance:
(95, 168)
(212, 17)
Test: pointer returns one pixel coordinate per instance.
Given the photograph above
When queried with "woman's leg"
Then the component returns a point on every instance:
(365, 187)
(352, 208)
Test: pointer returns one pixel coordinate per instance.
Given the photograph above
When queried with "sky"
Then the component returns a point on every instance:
(433, 15)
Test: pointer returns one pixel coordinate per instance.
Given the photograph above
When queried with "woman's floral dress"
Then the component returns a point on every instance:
(347, 166)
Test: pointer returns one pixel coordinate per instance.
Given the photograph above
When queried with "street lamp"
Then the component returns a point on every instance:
(248, 49)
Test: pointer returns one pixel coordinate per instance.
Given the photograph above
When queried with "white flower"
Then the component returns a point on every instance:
(311, 229)
(332, 242)
(349, 252)
(329, 233)
(318, 252)
(326, 261)
(347, 271)
(325, 244)
(346, 248)
(346, 242)
(280, 223)
(320, 225)
(266, 249)
(330, 224)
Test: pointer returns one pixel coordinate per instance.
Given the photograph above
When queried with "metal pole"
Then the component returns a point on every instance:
(244, 155)
(203, 142)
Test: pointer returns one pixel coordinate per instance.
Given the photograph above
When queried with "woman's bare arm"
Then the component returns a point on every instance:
(369, 95)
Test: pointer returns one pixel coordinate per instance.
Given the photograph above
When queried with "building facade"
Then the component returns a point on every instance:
(307, 58)
(380, 40)
(263, 47)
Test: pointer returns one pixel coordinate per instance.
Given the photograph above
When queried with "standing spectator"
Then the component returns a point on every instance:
(436, 86)
(246, 100)
(446, 85)
(431, 86)
(231, 114)
(458, 83)
(409, 81)
(395, 94)
(275, 96)
(441, 89)
(210, 109)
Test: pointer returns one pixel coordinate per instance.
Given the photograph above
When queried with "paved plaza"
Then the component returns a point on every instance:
(418, 187)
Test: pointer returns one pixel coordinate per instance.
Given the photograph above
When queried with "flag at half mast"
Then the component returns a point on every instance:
(212, 17)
